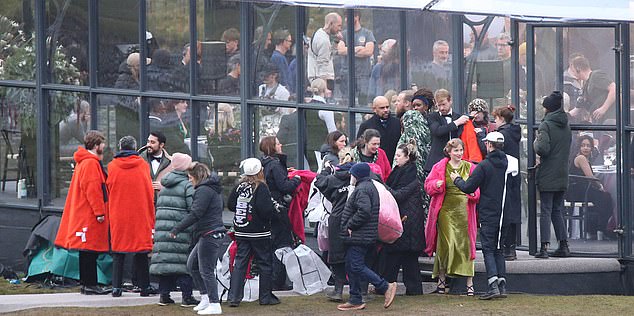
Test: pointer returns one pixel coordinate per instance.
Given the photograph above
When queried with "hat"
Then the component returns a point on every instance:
(553, 101)
(494, 137)
(360, 170)
(181, 162)
(478, 105)
(250, 166)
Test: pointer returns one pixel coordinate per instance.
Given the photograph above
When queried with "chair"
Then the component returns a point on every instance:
(10, 154)
(576, 206)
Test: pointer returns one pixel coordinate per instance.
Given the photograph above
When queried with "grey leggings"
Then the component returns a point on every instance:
(201, 264)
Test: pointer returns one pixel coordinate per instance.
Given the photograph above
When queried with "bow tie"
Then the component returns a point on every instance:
(446, 115)
(156, 158)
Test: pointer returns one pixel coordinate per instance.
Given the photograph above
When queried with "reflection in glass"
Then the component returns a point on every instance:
(17, 54)
(118, 116)
(118, 38)
(68, 26)
(221, 132)
(172, 117)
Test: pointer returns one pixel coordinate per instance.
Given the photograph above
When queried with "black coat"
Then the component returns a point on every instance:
(207, 207)
(513, 203)
(361, 215)
(404, 186)
(512, 136)
(276, 176)
(489, 176)
(254, 219)
(389, 134)
(334, 187)
(441, 132)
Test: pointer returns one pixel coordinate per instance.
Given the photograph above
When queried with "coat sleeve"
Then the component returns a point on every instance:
(282, 182)
(542, 142)
(233, 199)
(430, 181)
(263, 202)
(363, 207)
(201, 203)
(438, 129)
(93, 188)
(476, 178)
(411, 186)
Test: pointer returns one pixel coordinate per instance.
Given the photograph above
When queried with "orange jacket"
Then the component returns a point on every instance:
(86, 199)
(471, 147)
(131, 205)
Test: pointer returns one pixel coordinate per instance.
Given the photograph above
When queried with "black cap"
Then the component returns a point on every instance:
(553, 102)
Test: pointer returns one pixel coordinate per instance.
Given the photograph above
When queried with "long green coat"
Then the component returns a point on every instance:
(169, 256)
(552, 144)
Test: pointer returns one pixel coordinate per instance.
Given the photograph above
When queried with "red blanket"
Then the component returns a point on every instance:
(300, 201)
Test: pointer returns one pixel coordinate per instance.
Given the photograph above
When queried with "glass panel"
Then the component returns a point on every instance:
(218, 24)
(430, 57)
(17, 53)
(276, 121)
(272, 61)
(68, 27)
(118, 116)
(70, 119)
(168, 27)
(523, 240)
(173, 118)
(118, 38)
(18, 112)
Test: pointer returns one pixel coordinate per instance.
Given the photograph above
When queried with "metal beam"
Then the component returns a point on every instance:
(532, 192)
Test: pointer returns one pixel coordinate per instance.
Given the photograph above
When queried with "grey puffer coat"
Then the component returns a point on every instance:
(169, 255)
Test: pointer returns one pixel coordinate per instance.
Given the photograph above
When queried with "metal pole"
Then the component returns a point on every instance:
(42, 178)
(458, 62)
(622, 81)
(530, 85)
(559, 55)
(246, 130)
(403, 50)
(144, 110)
(193, 83)
(93, 55)
(299, 84)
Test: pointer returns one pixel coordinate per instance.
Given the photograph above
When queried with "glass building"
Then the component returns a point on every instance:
(131, 67)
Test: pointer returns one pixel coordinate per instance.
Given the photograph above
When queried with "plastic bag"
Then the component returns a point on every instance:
(305, 269)
(390, 225)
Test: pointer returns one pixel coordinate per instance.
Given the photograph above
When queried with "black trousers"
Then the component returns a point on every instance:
(88, 268)
(411, 271)
(261, 249)
(509, 235)
(141, 268)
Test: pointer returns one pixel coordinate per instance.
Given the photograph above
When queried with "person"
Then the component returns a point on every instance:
(230, 85)
(364, 42)
(84, 223)
(318, 88)
(271, 88)
(385, 75)
(283, 42)
(359, 231)
(423, 101)
(335, 142)
(552, 144)
(253, 206)
(588, 190)
(209, 232)
(161, 73)
(169, 256)
(599, 91)
(403, 102)
(451, 225)
(572, 86)
(437, 74)
(387, 125)
(74, 127)
(444, 125)
(367, 150)
(334, 183)
(281, 188)
(475, 129)
(157, 157)
(322, 50)
(129, 186)
(403, 184)
(416, 131)
(231, 37)
(489, 176)
(180, 108)
(512, 132)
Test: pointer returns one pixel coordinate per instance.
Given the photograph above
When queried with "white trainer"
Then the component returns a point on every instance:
(212, 309)
(204, 302)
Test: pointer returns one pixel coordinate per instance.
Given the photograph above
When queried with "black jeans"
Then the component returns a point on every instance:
(509, 235)
(261, 250)
(202, 265)
(169, 282)
(411, 271)
(552, 208)
(141, 268)
(88, 268)
(493, 255)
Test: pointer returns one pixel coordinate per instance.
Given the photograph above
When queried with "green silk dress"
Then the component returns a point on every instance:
(453, 249)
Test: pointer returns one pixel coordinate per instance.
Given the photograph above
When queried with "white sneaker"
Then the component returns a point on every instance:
(202, 305)
(212, 309)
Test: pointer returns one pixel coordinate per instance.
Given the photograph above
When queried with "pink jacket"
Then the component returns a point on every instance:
(437, 196)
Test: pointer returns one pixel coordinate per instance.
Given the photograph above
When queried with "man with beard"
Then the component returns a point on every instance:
(403, 102)
(158, 159)
(84, 225)
(322, 50)
(388, 126)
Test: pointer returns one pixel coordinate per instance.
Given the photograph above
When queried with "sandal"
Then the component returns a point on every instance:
(441, 288)
(470, 291)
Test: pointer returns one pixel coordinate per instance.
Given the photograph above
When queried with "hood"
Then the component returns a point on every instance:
(497, 158)
(126, 153)
(559, 118)
(174, 178)
(325, 149)
(128, 162)
(82, 154)
(268, 159)
(213, 182)
(513, 130)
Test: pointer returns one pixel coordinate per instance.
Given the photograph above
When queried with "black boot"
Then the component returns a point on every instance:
(336, 294)
(502, 287)
(493, 292)
(509, 253)
(543, 251)
(563, 250)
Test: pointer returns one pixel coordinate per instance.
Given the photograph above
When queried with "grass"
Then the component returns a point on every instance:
(7, 288)
(518, 304)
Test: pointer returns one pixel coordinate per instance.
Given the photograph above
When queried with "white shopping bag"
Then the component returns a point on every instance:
(223, 276)
(305, 269)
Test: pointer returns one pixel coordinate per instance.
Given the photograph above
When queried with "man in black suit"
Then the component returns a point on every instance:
(388, 125)
(444, 125)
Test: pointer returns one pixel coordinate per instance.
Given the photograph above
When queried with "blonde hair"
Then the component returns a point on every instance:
(255, 180)
(317, 87)
(451, 144)
(345, 155)
(442, 94)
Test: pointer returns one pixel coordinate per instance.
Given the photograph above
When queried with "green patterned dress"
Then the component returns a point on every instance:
(453, 248)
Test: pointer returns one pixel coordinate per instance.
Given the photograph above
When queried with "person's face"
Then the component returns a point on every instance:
(401, 158)
(187, 56)
(269, 38)
(419, 106)
(444, 106)
(278, 146)
(373, 145)
(456, 153)
(578, 74)
(382, 108)
(401, 104)
(153, 145)
(99, 149)
(231, 47)
(271, 78)
(504, 50)
(499, 121)
(288, 42)
(181, 107)
(336, 26)
(478, 117)
(341, 142)
(441, 54)
(586, 147)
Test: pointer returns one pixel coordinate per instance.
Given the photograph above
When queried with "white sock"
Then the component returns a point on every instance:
(204, 299)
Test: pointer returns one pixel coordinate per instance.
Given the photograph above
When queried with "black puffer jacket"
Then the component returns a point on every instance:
(206, 212)
(276, 176)
(404, 186)
(334, 187)
(361, 214)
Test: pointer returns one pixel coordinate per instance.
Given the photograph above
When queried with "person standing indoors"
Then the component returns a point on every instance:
(209, 232)
(321, 51)
(359, 231)
(405, 187)
(84, 224)
(451, 222)
(131, 212)
(253, 207)
(552, 145)
(388, 126)
(513, 204)
(490, 177)
(169, 255)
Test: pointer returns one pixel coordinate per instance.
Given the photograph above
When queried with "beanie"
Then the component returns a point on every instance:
(553, 102)
(250, 166)
(360, 170)
(181, 162)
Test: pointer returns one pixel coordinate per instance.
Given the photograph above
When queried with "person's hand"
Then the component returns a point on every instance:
(598, 114)
(172, 235)
(101, 218)
(439, 183)
(454, 175)
(473, 113)
(156, 185)
(349, 232)
(461, 120)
